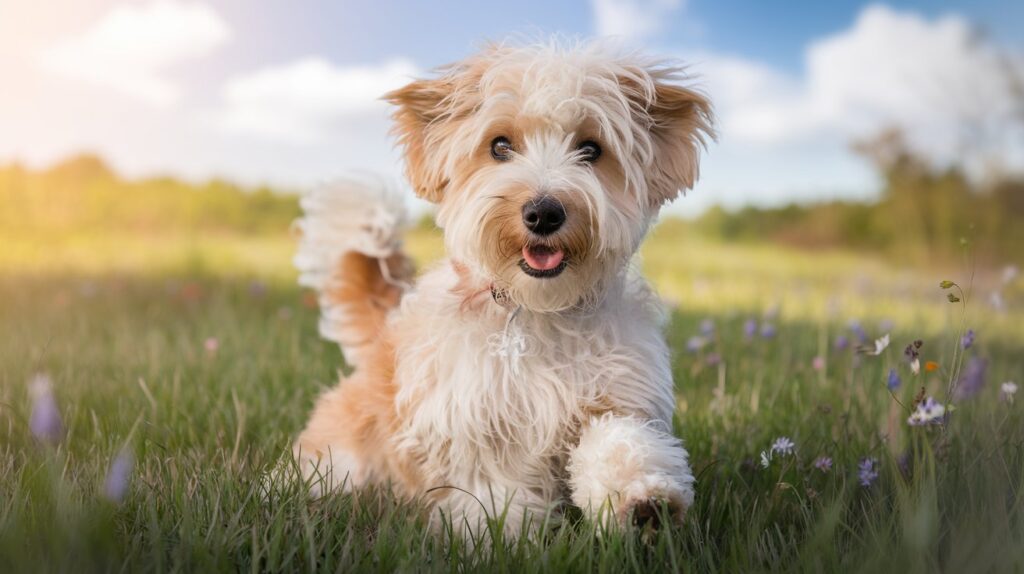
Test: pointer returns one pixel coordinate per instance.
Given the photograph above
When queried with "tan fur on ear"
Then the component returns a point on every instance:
(681, 125)
(420, 104)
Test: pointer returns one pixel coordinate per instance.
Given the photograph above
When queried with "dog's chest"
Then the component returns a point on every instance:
(501, 397)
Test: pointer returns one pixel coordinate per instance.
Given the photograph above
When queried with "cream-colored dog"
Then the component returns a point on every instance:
(528, 369)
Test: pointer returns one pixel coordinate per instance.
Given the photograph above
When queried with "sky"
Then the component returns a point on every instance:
(285, 92)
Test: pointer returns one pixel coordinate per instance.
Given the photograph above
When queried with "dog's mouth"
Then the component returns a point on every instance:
(542, 262)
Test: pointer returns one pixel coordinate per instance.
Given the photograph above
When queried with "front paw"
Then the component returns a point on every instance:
(642, 516)
(652, 512)
(623, 469)
(648, 513)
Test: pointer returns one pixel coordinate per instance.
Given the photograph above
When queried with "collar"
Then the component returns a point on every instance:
(500, 297)
(473, 289)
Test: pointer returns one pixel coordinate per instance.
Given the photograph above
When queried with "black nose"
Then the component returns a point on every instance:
(543, 216)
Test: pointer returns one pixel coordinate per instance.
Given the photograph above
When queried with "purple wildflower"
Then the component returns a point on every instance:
(928, 411)
(768, 331)
(750, 328)
(257, 289)
(823, 463)
(695, 344)
(707, 327)
(894, 380)
(967, 340)
(783, 446)
(858, 331)
(842, 343)
(904, 463)
(972, 380)
(867, 471)
(45, 421)
(712, 359)
(118, 477)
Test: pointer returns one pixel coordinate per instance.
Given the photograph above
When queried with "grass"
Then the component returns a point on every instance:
(120, 324)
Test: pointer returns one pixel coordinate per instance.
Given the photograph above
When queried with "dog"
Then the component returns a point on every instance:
(527, 371)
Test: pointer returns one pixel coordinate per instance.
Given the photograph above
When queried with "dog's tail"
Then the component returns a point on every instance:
(350, 253)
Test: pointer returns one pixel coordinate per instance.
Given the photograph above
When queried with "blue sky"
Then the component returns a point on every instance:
(284, 91)
(776, 32)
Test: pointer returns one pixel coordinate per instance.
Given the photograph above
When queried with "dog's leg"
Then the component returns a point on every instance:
(347, 441)
(325, 451)
(625, 468)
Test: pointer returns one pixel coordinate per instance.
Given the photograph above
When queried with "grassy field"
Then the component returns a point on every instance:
(192, 361)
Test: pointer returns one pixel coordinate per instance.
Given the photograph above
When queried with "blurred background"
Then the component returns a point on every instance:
(152, 154)
(895, 130)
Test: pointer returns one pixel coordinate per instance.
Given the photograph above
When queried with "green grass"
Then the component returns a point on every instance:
(120, 324)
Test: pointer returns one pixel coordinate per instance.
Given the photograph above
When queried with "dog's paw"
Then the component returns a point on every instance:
(652, 512)
(645, 510)
(646, 513)
(649, 515)
(624, 469)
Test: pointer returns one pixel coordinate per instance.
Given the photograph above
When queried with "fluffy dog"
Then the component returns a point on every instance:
(528, 369)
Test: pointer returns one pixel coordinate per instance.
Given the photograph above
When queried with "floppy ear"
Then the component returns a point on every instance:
(420, 106)
(681, 124)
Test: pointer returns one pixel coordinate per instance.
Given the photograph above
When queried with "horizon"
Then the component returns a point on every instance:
(420, 208)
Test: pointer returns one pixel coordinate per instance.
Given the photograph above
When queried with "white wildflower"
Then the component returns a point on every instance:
(928, 411)
(1007, 390)
(881, 344)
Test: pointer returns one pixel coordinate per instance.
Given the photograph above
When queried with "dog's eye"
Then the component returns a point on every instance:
(501, 148)
(589, 151)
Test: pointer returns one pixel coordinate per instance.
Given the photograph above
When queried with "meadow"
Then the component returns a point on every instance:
(182, 362)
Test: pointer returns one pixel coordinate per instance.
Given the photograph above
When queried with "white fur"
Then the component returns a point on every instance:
(622, 461)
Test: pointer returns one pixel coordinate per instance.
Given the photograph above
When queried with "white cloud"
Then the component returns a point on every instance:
(784, 133)
(130, 48)
(307, 100)
(936, 80)
(632, 19)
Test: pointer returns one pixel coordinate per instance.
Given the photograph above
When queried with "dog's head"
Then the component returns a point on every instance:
(549, 163)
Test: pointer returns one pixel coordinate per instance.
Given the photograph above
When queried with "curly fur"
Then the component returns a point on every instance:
(484, 390)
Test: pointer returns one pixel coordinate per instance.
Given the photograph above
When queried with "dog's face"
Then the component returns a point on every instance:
(549, 163)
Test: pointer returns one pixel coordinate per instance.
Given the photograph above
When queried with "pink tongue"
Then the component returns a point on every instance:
(542, 259)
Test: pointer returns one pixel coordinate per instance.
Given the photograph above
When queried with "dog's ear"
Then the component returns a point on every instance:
(681, 122)
(421, 107)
